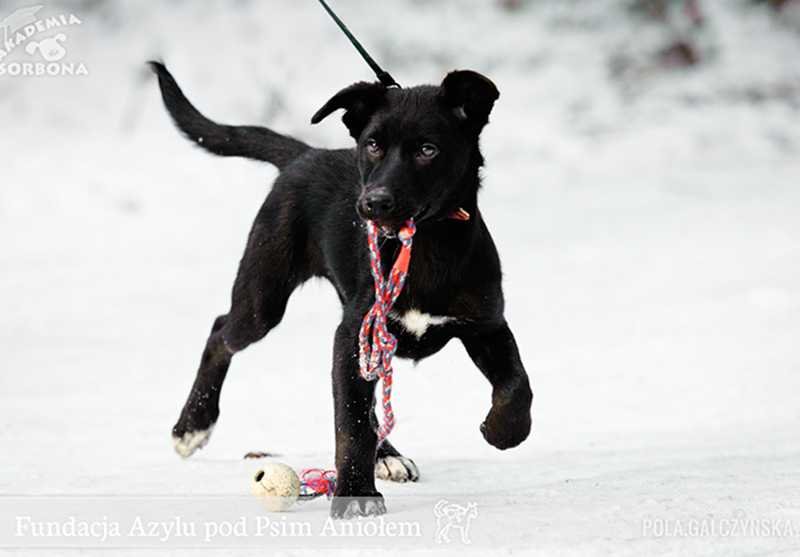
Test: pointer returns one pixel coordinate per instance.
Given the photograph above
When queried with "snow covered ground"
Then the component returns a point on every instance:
(648, 226)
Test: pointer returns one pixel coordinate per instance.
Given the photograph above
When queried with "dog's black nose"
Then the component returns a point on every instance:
(376, 204)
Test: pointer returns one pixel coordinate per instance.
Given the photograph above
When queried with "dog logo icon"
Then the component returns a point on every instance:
(42, 38)
(451, 516)
(50, 49)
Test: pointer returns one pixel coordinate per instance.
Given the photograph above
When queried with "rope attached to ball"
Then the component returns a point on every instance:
(315, 482)
(376, 344)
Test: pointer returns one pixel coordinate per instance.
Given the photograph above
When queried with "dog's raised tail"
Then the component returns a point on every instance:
(252, 142)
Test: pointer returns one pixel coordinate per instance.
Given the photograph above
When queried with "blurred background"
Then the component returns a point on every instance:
(642, 184)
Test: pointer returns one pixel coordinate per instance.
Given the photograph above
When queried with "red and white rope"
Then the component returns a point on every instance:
(376, 344)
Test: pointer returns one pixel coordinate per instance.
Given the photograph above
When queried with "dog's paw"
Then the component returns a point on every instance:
(187, 443)
(351, 507)
(396, 469)
(194, 427)
(504, 429)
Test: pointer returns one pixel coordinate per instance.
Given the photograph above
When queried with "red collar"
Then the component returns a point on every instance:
(459, 214)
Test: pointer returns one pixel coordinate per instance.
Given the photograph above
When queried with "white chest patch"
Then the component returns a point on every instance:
(416, 322)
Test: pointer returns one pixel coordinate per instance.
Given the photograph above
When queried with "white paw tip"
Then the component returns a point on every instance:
(396, 469)
(190, 441)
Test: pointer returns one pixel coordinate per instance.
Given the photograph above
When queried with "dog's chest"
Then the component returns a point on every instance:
(417, 322)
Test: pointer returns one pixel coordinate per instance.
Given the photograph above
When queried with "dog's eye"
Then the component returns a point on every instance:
(428, 151)
(373, 148)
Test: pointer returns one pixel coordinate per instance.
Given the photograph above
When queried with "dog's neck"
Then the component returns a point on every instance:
(456, 224)
(442, 248)
(465, 207)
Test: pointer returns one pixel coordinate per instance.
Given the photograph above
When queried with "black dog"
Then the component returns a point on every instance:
(416, 155)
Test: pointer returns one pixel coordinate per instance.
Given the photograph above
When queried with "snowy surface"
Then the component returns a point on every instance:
(649, 227)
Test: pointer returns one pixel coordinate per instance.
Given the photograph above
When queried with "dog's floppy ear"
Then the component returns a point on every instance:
(470, 95)
(359, 101)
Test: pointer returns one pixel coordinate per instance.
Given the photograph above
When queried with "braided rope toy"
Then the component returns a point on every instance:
(376, 344)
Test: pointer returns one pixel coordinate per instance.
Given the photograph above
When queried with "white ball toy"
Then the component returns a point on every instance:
(276, 485)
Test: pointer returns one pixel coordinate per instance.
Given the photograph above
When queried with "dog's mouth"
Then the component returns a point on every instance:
(389, 227)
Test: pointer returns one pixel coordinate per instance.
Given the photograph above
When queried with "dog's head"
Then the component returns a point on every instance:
(416, 146)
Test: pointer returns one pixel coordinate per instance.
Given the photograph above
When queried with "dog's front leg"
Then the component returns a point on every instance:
(496, 355)
(356, 439)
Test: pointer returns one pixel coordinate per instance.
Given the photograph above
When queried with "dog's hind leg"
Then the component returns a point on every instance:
(267, 276)
(201, 410)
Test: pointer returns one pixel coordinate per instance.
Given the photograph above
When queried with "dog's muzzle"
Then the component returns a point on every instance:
(376, 204)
